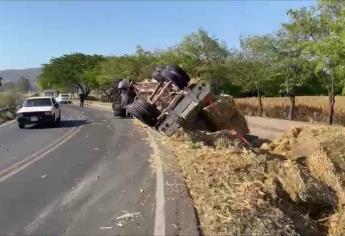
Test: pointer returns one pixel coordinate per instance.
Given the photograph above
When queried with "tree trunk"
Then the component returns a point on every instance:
(107, 94)
(87, 92)
(291, 115)
(260, 104)
(331, 101)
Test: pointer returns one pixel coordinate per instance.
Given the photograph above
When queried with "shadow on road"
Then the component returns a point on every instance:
(72, 123)
(62, 124)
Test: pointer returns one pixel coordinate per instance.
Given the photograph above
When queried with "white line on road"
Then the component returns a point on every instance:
(159, 228)
(21, 165)
(7, 123)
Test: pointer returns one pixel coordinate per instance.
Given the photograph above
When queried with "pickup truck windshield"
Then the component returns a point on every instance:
(37, 102)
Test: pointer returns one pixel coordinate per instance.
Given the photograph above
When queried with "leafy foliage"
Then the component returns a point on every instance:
(305, 57)
(68, 71)
(23, 85)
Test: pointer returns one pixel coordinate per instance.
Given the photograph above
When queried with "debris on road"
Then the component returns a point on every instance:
(175, 226)
(106, 227)
(127, 218)
(43, 176)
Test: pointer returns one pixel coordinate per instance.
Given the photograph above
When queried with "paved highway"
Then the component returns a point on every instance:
(76, 179)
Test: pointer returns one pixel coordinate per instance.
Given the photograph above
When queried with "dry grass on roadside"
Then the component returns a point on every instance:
(283, 191)
(8, 99)
(308, 108)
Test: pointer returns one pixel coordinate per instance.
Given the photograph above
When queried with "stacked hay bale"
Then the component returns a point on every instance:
(223, 114)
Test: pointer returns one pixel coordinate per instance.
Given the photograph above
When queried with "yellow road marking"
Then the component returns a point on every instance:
(21, 165)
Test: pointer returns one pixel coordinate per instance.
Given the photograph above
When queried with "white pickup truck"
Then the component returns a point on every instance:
(64, 98)
(38, 110)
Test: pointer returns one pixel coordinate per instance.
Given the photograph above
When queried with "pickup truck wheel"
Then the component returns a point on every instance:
(53, 122)
(176, 75)
(21, 125)
(144, 111)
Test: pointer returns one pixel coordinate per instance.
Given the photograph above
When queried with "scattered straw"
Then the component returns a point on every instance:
(243, 193)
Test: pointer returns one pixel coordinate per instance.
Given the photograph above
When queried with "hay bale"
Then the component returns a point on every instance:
(223, 114)
(322, 168)
(285, 142)
(301, 187)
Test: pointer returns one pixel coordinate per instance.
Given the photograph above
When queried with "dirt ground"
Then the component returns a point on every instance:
(270, 128)
(294, 186)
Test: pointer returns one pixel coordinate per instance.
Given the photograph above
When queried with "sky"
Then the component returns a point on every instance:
(32, 32)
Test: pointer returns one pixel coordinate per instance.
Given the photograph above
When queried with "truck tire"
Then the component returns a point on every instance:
(21, 125)
(157, 74)
(144, 111)
(119, 110)
(120, 113)
(176, 75)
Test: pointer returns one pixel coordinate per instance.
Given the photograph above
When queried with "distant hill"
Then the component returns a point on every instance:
(14, 75)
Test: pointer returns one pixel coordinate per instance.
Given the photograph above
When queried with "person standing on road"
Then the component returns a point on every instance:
(81, 97)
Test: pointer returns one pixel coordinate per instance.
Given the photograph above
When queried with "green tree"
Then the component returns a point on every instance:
(115, 68)
(256, 58)
(204, 57)
(294, 68)
(73, 70)
(325, 49)
(23, 84)
(146, 62)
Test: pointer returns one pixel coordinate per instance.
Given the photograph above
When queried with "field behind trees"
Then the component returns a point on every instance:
(308, 108)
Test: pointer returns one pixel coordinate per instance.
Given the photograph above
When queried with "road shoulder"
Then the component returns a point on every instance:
(180, 215)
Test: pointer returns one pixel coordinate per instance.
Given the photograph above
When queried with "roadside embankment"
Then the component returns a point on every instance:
(293, 186)
(8, 103)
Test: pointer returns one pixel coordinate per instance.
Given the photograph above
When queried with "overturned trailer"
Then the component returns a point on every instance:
(176, 103)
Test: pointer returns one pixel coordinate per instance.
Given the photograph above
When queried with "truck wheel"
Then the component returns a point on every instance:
(21, 125)
(176, 75)
(120, 113)
(157, 74)
(116, 106)
(119, 110)
(144, 111)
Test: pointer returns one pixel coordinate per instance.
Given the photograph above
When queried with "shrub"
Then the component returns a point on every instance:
(10, 99)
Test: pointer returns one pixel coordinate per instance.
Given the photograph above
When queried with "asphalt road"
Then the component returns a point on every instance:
(76, 179)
